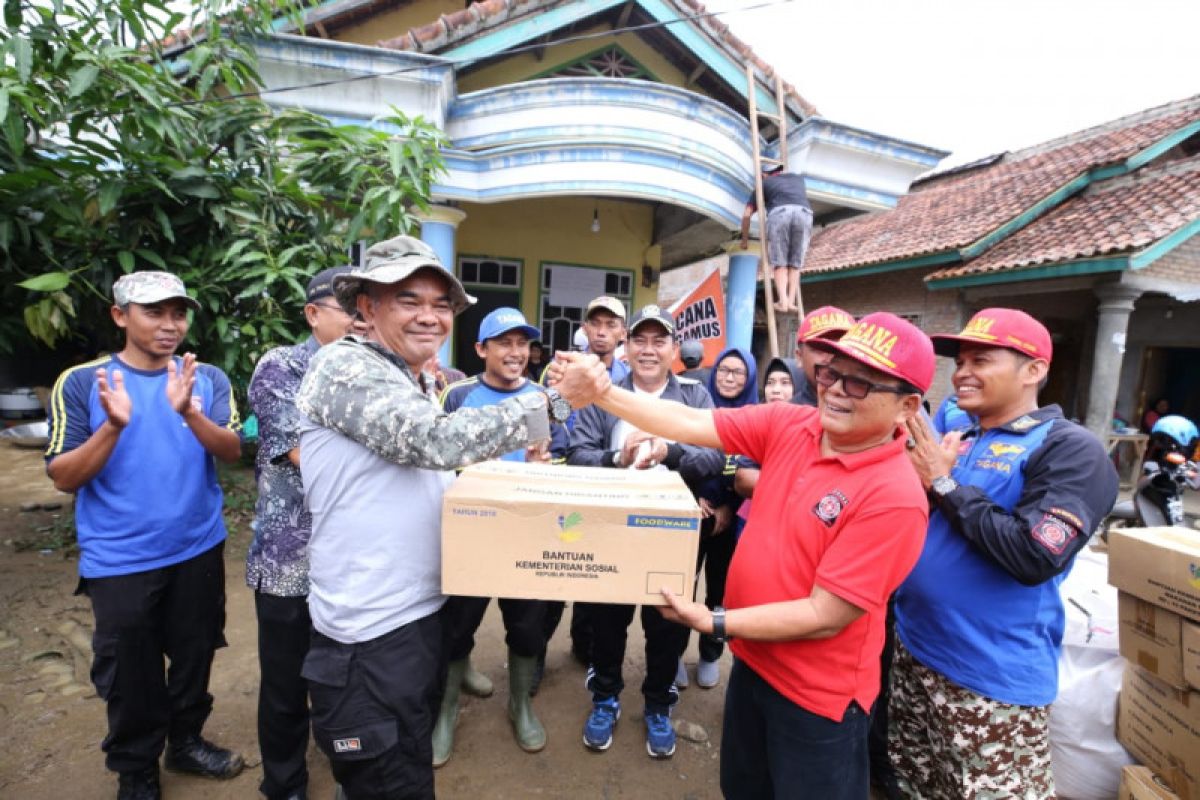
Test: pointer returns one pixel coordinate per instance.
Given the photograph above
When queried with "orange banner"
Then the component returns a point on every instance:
(701, 315)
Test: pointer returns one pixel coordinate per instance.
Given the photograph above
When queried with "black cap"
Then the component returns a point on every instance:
(321, 284)
(652, 313)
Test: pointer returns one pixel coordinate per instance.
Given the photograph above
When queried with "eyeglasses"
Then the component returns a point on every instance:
(730, 372)
(855, 387)
(329, 307)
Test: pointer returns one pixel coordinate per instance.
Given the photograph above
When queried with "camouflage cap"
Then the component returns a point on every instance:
(391, 262)
(149, 287)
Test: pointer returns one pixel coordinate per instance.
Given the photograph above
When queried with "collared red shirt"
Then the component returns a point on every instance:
(853, 524)
(277, 561)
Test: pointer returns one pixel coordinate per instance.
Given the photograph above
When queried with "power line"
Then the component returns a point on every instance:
(583, 37)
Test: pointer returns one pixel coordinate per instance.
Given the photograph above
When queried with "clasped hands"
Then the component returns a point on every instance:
(581, 378)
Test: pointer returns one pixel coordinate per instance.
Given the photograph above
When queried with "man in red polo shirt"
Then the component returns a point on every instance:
(838, 521)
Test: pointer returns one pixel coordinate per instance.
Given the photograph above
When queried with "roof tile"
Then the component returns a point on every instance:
(946, 213)
(1121, 215)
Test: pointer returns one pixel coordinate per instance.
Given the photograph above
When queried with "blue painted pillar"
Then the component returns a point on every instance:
(740, 291)
(438, 227)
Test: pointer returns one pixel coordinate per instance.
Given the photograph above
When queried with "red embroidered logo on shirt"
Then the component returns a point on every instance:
(1054, 534)
(829, 507)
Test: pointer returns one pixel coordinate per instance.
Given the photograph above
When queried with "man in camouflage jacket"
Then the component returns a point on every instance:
(377, 453)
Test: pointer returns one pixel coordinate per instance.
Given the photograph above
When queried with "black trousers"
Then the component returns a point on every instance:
(176, 613)
(881, 762)
(524, 624)
(284, 631)
(581, 627)
(773, 748)
(714, 554)
(373, 707)
(664, 645)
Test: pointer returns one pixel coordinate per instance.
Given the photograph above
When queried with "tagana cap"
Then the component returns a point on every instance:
(392, 261)
(606, 303)
(149, 287)
(826, 322)
(891, 345)
(999, 327)
(503, 320)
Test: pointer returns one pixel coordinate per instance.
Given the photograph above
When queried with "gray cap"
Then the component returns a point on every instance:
(149, 287)
(691, 352)
(391, 262)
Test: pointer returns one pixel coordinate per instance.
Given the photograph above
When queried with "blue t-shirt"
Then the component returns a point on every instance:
(474, 393)
(156, 501)
(950, 417)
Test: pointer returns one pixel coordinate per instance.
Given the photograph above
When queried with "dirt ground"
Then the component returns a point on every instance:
(52, 722)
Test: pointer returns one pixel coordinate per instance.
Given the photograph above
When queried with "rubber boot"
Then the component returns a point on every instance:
(475, 682)
(531, 736)
(443, 729)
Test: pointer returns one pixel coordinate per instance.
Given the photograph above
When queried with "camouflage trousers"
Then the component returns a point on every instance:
(949, 743)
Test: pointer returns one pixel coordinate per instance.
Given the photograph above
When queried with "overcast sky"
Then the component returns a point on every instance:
(977, 76)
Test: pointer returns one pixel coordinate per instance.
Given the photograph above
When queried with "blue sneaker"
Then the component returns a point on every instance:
(598, 730)
(660, 736)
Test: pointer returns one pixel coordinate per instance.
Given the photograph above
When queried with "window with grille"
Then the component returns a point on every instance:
(497, 272)
(565, 292)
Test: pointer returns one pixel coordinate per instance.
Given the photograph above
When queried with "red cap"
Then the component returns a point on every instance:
(999, 327)
(826, 322)
(891, 345)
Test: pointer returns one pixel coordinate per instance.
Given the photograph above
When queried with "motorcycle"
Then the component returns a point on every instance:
(1158, 499)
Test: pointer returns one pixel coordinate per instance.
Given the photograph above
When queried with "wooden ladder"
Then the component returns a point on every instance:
(780, 120)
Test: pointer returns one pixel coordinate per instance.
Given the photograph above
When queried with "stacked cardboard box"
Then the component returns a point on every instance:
(1140, 783)
(1157, 571)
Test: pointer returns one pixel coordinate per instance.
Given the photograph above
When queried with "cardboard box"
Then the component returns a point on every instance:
(1140, 783)
(1160, 726)
(1161, 565)
(549, 532)
(1152, 638)
(1191, 653)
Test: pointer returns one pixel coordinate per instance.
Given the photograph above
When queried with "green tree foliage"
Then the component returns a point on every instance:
(122, 149)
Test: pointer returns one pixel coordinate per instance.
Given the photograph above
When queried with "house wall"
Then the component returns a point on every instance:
(1160, 321)
(532, 64)
(392, 23)
(558, 230)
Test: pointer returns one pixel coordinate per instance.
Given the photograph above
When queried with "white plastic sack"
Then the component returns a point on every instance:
(1086, 756)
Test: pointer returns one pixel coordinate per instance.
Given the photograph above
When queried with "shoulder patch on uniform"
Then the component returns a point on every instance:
(1054, 533)
(1021, 424)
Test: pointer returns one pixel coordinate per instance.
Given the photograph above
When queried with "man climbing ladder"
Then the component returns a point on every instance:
(788, 227)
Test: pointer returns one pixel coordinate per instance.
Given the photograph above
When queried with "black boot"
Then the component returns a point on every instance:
(198, 756)
(140, 785)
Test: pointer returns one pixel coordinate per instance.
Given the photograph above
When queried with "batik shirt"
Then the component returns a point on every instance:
(277, 562)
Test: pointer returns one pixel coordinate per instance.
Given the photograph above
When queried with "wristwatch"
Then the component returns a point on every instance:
(560, 409)
(943, 485)
(718, 631)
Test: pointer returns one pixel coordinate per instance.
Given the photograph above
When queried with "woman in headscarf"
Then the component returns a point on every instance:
(732, 383)
(781, 380)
